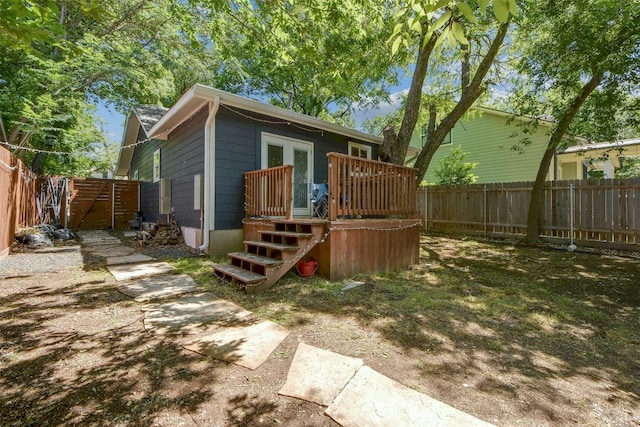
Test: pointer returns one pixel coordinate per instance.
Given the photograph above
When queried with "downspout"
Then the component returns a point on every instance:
(209, 149)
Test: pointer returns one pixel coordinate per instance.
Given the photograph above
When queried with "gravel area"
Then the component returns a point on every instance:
(41, 261)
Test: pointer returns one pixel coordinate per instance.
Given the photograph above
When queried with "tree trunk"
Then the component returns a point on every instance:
(471, 90)
(533, 215)
(395, 145)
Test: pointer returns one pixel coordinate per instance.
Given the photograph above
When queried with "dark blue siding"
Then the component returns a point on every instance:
(142, 162)
(181, 157)
(238, 148)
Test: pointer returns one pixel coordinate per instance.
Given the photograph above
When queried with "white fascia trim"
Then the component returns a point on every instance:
(125, 156)
(182, 110)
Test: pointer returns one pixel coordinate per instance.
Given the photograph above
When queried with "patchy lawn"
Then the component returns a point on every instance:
(510, 334)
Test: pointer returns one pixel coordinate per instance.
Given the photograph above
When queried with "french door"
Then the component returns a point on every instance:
(278, 151)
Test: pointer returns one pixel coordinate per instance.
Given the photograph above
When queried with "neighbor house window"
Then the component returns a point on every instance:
(136, 175)
(156, 165)
(359, 150)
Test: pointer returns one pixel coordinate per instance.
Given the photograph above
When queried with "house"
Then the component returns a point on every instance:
(235, 174)
(596, 160)
(489, 136)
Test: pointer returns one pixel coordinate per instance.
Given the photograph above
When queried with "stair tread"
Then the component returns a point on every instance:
(256, 259)
(277, 246)
(308, 221)
(245, 276)
(285, 233)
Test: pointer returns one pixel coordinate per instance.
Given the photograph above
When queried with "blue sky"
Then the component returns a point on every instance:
(113, 125)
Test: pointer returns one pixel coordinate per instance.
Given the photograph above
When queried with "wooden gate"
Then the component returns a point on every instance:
(102, 203)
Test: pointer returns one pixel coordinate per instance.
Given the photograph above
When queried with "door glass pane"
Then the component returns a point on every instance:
(300, 183)
(275, 155)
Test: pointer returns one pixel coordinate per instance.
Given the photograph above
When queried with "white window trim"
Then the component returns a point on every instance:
(156, 166)
(363, 147)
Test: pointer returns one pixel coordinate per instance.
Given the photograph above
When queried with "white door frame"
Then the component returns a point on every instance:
(289, 144)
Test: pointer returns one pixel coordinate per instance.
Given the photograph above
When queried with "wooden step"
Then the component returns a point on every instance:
(306, 221)
(269, 245)
(286, 234)
(240, 274)
(255, 259)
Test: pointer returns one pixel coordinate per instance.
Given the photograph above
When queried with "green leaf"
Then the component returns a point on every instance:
(513, 7)
(501, 10)
(467, 12)
(441, 21)
(396, 45)
(441, 3)
(417, 8)
(397, 29)
(483, 4)
(458, 33)
(417, 26)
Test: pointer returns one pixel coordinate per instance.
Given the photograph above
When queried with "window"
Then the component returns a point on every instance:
(156, 165)
(447, 139)
(136, 175)
(359, 150)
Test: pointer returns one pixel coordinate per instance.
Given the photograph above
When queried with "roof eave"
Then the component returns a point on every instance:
(131, 126)
(196, 97)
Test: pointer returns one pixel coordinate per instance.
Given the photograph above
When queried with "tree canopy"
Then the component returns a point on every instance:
(579, 65)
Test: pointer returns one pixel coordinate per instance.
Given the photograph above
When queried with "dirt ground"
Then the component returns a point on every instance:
(73, 350)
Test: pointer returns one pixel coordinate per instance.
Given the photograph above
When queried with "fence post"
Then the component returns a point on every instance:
(485, 213)
(426, 207)
(572, 247)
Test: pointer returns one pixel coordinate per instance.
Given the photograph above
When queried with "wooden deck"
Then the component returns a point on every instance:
(353, 246)
(384, 237)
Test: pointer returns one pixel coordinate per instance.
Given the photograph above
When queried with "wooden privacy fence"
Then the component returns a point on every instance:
(369, 188)
(18, 187)
(102, 203)
(604, 212)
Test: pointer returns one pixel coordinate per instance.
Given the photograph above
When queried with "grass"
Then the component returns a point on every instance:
(580, 311)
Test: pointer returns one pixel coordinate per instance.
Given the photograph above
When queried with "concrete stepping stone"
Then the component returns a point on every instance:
(124, 272)
(158, 287)
(372, 399)
(318, 375)
(111, 251)
(128, 259)
(192, 315)
(247, 345)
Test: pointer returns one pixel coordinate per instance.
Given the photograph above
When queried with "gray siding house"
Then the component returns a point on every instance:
(191, 158)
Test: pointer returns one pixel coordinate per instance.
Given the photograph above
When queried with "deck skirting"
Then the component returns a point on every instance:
(358, 246)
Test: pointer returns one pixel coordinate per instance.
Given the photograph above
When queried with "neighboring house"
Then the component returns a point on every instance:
(104, 174)
(488, 136)
(233, 135)
(578, 161)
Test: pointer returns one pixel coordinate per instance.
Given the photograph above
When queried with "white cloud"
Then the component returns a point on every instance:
(384, 108)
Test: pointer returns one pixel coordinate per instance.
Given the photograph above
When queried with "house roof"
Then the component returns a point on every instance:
(144, 116)
(601, 146)
(198, 95)
(158, 124)
(148, 115)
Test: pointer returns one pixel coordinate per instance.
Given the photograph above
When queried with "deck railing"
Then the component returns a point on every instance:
(268, 192)
(360, 187)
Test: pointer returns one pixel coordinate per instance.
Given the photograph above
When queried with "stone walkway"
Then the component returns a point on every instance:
(353, 393)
